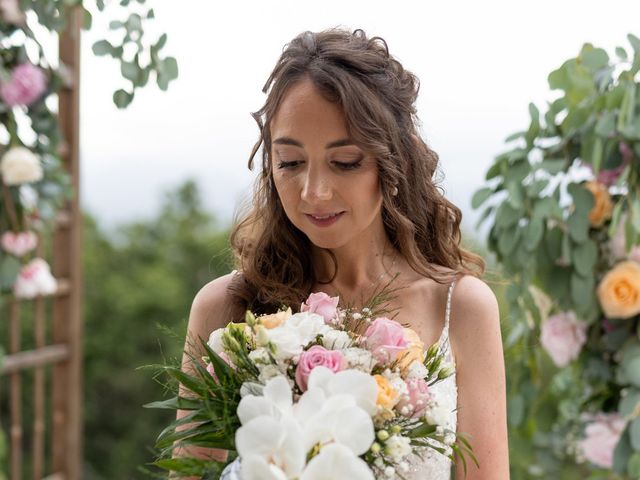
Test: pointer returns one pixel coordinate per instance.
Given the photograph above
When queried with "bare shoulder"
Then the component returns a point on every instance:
(473, 295)
(474, 318)
(208, 306)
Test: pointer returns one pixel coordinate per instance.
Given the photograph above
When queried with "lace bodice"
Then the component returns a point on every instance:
(434, 465)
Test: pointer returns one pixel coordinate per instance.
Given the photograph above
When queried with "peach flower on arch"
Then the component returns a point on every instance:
(602, 207)
(619, 290)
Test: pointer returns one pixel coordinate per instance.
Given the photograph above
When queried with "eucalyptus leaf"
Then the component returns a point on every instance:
(621, 53)
(122, 98)
(634, 434)
(553, 165)
(9, 269)
(584, 258)
(578, 224)
(606, 124)
(102, 47)
(582, 292)
(621, 453)
(534, 233)
(481, 196)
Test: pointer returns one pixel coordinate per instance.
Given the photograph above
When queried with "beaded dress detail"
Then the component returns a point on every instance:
(434, 465)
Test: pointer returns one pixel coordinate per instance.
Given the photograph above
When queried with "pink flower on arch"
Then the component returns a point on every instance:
(35, 279)
(601, 437)
(27, 84)
(563, 336)
(18, 244)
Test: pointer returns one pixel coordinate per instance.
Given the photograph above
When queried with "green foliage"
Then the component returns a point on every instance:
(53, 14)
(543, 236)
(139, 284)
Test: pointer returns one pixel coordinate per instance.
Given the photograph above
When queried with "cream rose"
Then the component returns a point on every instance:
(19, 165)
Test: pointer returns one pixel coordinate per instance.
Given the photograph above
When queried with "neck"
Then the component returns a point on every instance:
(361, 268)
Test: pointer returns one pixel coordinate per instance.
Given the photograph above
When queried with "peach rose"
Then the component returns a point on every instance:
(619, 290)
(415, 350)
(603, 206)
(387, 395)
(275, 319)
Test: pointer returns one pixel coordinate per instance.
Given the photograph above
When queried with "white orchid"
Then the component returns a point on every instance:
(360, 385)
(270, 448)
(338, 419)
(276, 402)
(336, 461)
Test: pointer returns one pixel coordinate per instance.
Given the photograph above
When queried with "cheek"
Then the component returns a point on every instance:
(286, 188)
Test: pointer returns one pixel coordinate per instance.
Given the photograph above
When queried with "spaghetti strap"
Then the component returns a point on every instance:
(444, 337)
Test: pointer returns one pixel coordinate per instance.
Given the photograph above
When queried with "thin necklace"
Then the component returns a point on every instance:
(395, 257)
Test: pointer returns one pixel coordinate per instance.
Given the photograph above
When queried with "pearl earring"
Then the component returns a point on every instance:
(394, 192)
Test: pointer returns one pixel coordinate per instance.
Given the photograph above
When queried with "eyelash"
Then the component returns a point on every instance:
(342, 165)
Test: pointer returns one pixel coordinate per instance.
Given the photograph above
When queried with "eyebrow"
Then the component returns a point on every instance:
(290, 141)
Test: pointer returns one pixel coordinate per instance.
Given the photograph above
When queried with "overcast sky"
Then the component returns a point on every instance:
(480, 64)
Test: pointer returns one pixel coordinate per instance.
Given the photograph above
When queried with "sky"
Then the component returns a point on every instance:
(479, 63)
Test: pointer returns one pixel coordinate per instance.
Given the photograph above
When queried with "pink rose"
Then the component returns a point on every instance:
(35, 279)
(27, 84)
(385, 338)
(417, 398)
(322, 304)
(19, 243)
(562, 337)
(601, 437)
(316, 356)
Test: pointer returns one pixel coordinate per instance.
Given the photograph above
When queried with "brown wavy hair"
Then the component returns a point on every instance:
(377, 95)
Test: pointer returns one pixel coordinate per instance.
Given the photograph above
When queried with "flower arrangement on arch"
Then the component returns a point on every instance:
(564, 210)
(33, 182)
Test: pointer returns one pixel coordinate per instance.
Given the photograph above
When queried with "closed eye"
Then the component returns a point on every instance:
(291, 164)
(348, 166)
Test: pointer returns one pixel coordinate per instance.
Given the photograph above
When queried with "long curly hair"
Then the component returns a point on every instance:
(377, 95)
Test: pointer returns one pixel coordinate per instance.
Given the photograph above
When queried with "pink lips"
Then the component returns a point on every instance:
(324, 222)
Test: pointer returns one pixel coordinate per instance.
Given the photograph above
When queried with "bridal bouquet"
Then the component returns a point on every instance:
(324, 392)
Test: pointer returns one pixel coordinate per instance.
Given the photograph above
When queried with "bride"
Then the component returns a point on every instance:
(346, 200)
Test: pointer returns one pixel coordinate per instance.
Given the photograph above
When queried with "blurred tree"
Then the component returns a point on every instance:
(139, 282)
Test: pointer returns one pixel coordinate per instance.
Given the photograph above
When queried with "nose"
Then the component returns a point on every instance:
(317, 186)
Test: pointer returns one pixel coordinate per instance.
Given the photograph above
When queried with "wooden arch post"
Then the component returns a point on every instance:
(68, 328)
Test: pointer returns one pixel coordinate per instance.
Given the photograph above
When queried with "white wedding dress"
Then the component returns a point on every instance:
(431, 465)
(434, 465)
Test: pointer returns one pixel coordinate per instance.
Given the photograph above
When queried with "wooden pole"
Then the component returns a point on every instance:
(67, 325)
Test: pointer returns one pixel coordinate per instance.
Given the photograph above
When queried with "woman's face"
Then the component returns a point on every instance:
(318, 172)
